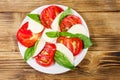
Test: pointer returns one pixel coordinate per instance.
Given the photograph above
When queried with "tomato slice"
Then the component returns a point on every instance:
(75, 45)
(49, 14)
(69, 21)
(61, 39)
(26, 37)
(46, 56)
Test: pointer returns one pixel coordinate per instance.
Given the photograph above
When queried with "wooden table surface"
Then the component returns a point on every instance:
(102, 61)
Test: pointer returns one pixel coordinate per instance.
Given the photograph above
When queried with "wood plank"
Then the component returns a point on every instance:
(105, 44)
(104, 30)
(82, 5)
(9, 24)
(103, 24)
(95, 66)
(34, 75)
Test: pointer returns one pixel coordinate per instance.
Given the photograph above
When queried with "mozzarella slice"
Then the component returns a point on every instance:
(78, 28)
(34, 26)
(65, 51)
(46, 38)
(40, 46)
(55, 23)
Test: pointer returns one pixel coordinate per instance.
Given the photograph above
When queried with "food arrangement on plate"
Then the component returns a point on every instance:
(53, 39)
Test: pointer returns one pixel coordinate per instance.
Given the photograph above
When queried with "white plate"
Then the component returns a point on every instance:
(56, 68)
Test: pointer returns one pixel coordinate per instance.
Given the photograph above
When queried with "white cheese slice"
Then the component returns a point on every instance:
(34, 26)
(40, 46)
(78, 28)
(55, 23)
(46, 38)
(65, 51)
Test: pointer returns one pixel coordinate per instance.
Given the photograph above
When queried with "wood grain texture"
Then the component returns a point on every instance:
(79, 5)
(95, 66)
(102, 61)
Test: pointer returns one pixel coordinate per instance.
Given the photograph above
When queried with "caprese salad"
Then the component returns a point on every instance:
(55, 35)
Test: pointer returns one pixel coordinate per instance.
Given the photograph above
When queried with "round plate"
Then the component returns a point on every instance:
(56, 68)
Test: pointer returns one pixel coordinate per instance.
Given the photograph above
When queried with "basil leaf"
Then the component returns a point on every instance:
(86, 40)
(35, 17)
(52, 34)
(62, 60)
(64, 14)
(36, 44)
(30, 51)
(68, 34)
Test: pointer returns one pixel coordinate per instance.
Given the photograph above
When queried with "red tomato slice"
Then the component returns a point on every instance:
(26, 37)
(68, 44)
(75, 45)
(61, 39)
(46, 56)
(69, 21)
(49, 14)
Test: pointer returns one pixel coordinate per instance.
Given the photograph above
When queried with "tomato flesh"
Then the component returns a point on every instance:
(75, 45)
(69, 21)
(46, 56)
(48, 15)
(26, 37)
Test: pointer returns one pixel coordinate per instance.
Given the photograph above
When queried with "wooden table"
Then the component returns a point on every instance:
(102, 61)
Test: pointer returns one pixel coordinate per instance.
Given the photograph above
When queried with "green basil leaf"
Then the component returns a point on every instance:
(68, 34)
(86, 40)
(36, 44)
(30, 51)
(62, 60)
(52, 34)
(35, 17)
(64, 14)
